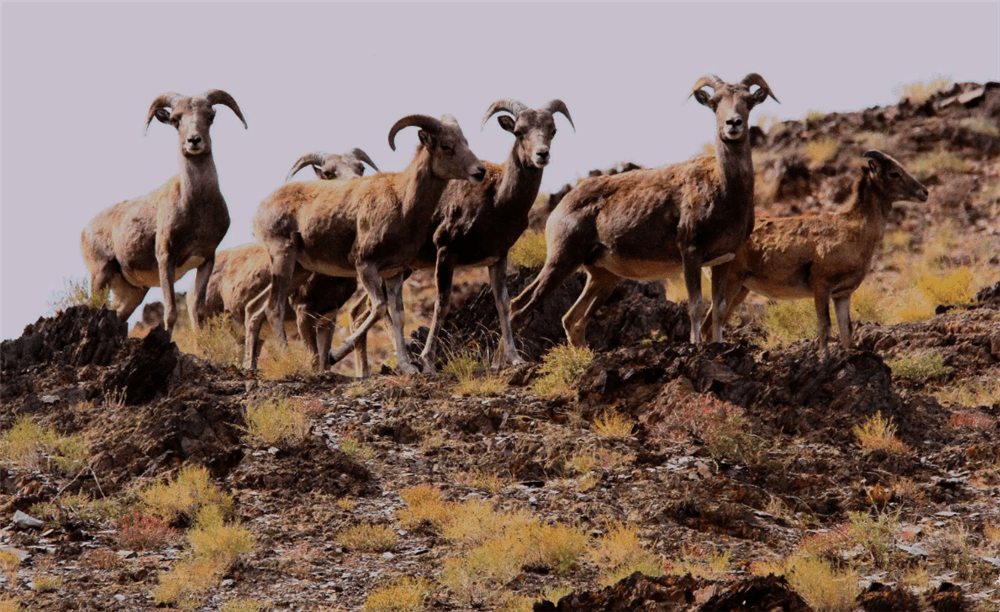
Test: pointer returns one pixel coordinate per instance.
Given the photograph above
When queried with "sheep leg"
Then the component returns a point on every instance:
(444, 272)
(600, 283)
(498, 282)
(720, 280)
(167, 273)
(372, 282)
(821, 297)
(324, 338)
(394, 293)
(358, 313)
(306, 325)
(696, 304)
(203, 273)
(558, 266)
(282, 269)
(253, 318)
(842, 306)
(736, 292)
(127, 297)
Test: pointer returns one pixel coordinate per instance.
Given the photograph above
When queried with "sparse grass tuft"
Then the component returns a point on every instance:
(402, 595)
(138, 531)
(824, 589)
(368, 538)
(356, 449)
(34, 447)
(216, 341)
(612, 425)
(76, 292)
(953, 289)
(183, 585)
(867, 304)
(920, 367)
(529, 250)
(872, 140)
(878, 433)
(936, 162)
(560, 369)
(971, 393)
(559, 546)
(192, 490)
(980, 125)
(245, 605)
(621, 551)
(876, 535)
(213, 538)
(919, 92)
(821, 151)
(278, 363)
(789, 320)
(46, 584)
(814, 115)
(10, 604)
(280, 422)
(701, 563)
(474, 376)
(103, 559)
(79, 506)
(424, 503)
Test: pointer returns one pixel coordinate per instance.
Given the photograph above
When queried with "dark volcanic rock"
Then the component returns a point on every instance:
(77, 336)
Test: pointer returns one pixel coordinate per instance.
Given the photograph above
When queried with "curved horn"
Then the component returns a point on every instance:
(315, 158)
(356, 152)
(709, 80)
(164, 100)
(217, 96)
(558, 106)
(507, 104)
(878, 156)
(421, 121)
(755, 79)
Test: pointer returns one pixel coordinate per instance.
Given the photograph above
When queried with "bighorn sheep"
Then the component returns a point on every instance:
(155, 239)
(244, 273)
(371, 227)
(821, 255)
(648, 223)
(476, 225)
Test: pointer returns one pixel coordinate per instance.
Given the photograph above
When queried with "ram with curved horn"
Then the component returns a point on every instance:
(651, 223)
(244, 273)
(476, 224)
(153, 240)
(370, 227)
(825, 255)
(329, 166)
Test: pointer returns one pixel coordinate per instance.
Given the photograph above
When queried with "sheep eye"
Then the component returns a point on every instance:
(447, 148)
(894, 174)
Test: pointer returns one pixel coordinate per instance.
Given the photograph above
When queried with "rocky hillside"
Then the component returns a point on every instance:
(755, 474)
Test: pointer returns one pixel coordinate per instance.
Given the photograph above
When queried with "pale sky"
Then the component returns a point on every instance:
(78, 80)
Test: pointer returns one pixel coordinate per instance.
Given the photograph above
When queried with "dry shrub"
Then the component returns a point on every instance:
(10, 604)
(481, 480)
(612, 425)
(478, 576)
(424, 504)
(103, 559)
(76, 292)
(787, 321)
(356, 449)
(402, 595)
(920, 367)
(138, 531)
(183, 585)
(561, 367)
(878, 433)
(34, 447)
(971, 419)
(293, 361)
(368, 538)
(216, 341)
(280, 422)
(868, 304)
(872, 140)
(984, 392)
(9, 564)
(474, 376)
(877, 535)
(814, 115)
(980, 125)
(475, 521)
(918, 92)
(245, 605)
(721, 425)
(559, 546)
(529, 250)
(79, 506)
(183, 497)
(821, 151)
(824, 589)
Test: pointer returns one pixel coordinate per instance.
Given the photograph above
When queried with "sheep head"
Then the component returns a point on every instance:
(732, 103)
(891, 178)
(192, 116)
(532, 129)
(444, 142)
(333, 166)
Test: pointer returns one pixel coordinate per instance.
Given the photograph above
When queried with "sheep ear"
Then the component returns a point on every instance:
(506, 122)
(426, 138)
(760, 95)
(873, 166)
(702, 97)
(162, 115)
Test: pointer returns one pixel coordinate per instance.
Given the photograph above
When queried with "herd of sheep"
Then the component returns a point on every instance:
(448, 209)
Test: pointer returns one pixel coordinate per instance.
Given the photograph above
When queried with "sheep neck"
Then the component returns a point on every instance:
(736, 166)
(869, 201)
(423, 188)
(199, 180)
(519, 185)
